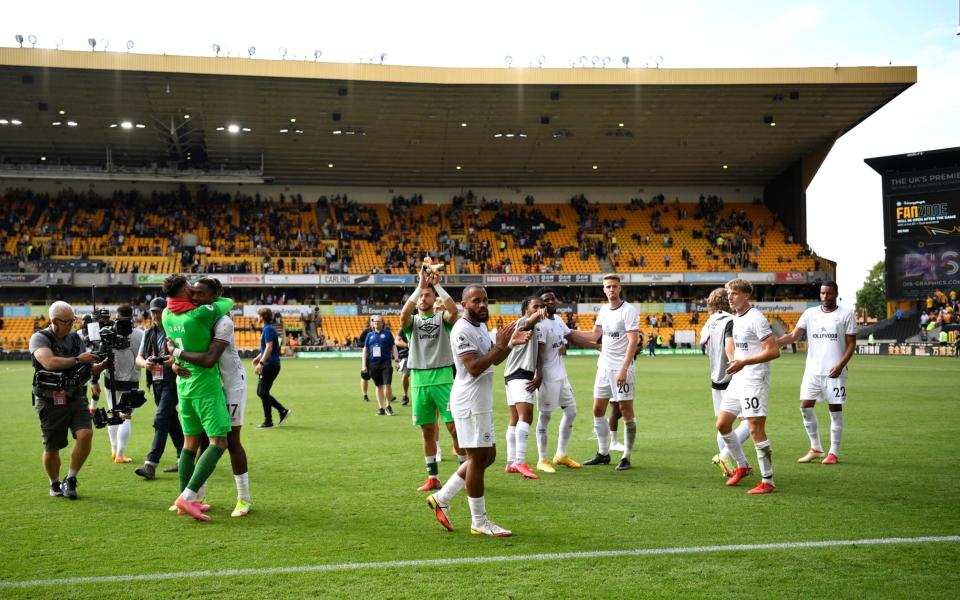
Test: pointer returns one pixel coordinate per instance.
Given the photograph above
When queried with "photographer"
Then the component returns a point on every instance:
(61, 370)
(162, 380)
(122, 376)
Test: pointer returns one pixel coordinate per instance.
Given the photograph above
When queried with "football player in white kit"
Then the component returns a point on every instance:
(556, 391)
(471, 402)
(754, 347)
(223, 351)
(717, 339)
(831, 339)
(523, 375)
(618, 322)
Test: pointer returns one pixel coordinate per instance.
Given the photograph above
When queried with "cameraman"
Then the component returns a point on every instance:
(58, 350)
(127, 373)
(163, 381)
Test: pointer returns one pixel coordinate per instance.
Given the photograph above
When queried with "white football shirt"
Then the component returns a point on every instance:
(616, 323)
(749, 330)
(554, 337)
(826, 336)
(470, 394)
(231, 369)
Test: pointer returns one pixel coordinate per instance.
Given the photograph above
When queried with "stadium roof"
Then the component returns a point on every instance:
(404, 125)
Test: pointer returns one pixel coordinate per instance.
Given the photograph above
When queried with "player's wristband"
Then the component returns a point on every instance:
(177, 352)
(415, 295)
(441, 293)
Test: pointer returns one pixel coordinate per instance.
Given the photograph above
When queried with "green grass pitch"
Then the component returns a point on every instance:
(336, 484)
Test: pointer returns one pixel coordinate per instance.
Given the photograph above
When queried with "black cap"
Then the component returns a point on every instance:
(158, 304)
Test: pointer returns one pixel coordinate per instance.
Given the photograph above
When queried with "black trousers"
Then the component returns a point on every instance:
(267, 377)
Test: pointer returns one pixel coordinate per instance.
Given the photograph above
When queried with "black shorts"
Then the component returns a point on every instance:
(55, 421)
(381, 373)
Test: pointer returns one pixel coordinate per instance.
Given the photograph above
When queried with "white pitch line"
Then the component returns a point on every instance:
(473, 560)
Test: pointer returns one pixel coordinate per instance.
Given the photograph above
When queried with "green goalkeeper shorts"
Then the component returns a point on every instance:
(205, 415)
(429, 399)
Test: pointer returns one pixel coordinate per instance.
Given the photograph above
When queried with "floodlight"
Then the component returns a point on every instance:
(317, 54)
(283, 52)
(251, 51)
(33, 40)
(19, 39)
(625, 60)
(508, 59)
(129, 45)
(92, 43)
(216, 49)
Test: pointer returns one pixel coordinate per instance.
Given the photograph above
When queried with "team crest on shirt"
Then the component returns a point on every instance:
(486, 436)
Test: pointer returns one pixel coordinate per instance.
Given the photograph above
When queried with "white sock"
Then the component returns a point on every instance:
(836, 431)
(612, 437)
(765, 457)
(123, 437)
(71, 473)
(478, 510)
(188, 495)
(602, 429)
(742, 431)
(724, 453)
(511, 444)
(202, 492)
(451, 488)
(630, 437)
(439, 455)
(112, 432)
(735, 448)
(523, 436)
(543, 427)
(243, 486)
(566, 428)
(812, 426)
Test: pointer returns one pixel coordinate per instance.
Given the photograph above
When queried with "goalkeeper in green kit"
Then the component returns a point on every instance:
(203, 407)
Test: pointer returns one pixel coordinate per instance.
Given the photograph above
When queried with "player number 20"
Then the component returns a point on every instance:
(751, 403)
(623, 388)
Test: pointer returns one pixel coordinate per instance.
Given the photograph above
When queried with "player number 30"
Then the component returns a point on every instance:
(751, 403)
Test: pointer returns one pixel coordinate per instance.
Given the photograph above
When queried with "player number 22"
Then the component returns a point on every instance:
(840, 392)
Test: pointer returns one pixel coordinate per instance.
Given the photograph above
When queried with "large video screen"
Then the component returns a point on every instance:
(924, 215)
(922, 230)
(917, 268)
(921, 205)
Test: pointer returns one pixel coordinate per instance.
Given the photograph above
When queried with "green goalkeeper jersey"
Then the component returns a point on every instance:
(192, 331)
